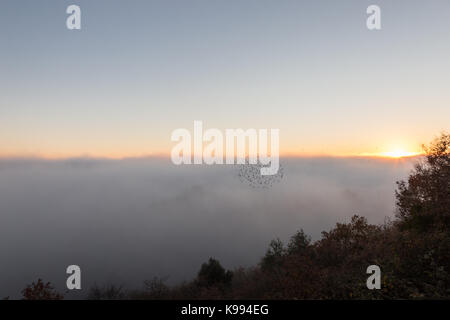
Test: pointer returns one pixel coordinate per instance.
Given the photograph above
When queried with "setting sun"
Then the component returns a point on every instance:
(398, 153)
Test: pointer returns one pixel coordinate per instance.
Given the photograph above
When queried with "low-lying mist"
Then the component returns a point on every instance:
(124, 221)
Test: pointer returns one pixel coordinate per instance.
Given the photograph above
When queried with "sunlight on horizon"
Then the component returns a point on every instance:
(395, 154)
(399, 153)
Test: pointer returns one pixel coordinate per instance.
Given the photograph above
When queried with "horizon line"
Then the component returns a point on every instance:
(164, 156)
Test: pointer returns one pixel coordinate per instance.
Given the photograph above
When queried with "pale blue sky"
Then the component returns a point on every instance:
(139, 69)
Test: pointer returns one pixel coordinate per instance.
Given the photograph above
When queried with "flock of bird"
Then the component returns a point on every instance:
(251, 174)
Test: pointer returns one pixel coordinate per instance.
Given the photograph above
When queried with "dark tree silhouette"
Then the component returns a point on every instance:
(41, 291)
(423, 201)
(213, 274)
(107, 292)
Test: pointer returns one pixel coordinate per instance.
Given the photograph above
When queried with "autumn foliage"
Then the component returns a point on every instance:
(41, 291)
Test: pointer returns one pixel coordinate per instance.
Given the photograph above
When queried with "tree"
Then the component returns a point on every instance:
(274, 255)
(41, 291)
(107, 292)
(213, 274)
(156, 288)
(423, 202)
(299, 242)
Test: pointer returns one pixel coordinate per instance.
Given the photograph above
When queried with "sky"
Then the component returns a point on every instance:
(137, 70)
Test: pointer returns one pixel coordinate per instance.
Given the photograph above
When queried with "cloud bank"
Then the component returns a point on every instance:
(124, 221)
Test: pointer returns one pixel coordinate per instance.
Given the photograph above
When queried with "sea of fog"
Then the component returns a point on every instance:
(124, 221)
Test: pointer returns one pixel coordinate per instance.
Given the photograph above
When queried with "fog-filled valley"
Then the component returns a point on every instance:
(124, 221)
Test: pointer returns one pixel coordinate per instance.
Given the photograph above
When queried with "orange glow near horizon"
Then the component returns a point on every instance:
(393, 154)
(156, 147)
(399, 153)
